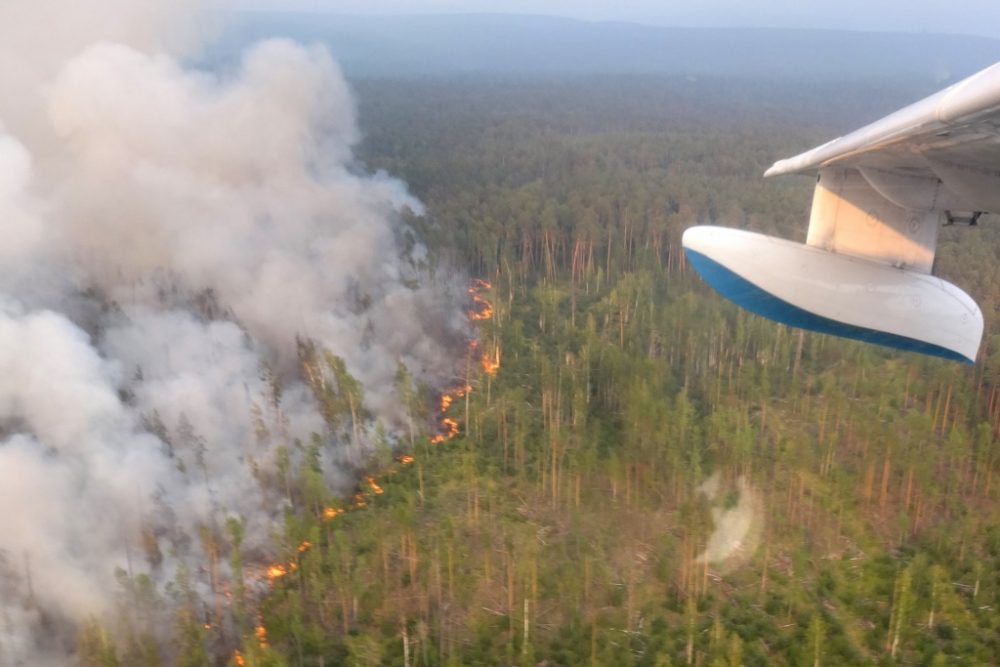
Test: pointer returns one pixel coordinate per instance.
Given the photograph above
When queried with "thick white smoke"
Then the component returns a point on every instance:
(164, 235)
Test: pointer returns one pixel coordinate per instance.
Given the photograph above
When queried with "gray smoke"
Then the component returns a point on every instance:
(166, 234)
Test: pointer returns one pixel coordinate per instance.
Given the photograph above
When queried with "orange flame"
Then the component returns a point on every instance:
(305, 546)
(481, 308)
(491, 365)
(448, 427)
(331, 512)
(261, 632)
(374, 486)
(405, 459)
(279, 570)
(451, 429)
(238, 659)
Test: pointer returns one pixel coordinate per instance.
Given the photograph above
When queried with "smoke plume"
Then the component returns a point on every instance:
(166, 237)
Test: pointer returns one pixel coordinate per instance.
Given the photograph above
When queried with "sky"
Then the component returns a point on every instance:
(980, 17)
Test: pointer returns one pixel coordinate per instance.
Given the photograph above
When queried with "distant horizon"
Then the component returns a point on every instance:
(975, 18)
(467, 42)
(640, 24)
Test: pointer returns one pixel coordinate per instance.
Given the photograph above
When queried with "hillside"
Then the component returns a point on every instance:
(516, 45)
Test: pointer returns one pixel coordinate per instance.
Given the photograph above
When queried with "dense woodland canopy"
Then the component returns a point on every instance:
(564, 525)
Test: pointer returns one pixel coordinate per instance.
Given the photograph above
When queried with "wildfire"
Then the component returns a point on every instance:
(481, 308)
(378, 490)
(491, 364)
(448, 428)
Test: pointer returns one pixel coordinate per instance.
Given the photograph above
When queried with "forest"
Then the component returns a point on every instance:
(630, 470)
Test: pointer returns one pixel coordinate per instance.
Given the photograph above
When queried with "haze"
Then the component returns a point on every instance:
(976, 17)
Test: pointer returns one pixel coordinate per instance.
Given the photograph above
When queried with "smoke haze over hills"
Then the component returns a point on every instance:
(467, 44)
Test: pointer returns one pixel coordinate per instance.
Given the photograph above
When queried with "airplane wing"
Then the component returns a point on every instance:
(952, 137)
(882, 193)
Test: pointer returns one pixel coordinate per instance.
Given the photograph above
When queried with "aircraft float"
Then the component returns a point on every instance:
(882, 193)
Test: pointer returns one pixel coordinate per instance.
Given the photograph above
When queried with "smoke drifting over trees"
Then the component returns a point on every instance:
(167, 236)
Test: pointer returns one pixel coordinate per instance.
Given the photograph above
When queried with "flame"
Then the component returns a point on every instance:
(448, 428)
(481, 308)
(279, 570)
(374, 486)
(491, 364)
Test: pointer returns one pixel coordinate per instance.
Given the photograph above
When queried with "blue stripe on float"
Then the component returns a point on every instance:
(747, 295)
